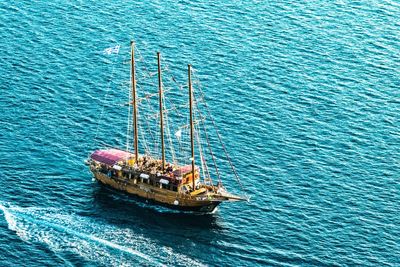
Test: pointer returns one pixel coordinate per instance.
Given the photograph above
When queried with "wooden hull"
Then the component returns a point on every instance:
(167, 198)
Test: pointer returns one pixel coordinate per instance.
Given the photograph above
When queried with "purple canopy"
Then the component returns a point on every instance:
(110, 156)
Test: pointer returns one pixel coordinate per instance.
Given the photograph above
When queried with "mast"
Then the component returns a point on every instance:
(191, 122)
(160, 92)
(135, 126)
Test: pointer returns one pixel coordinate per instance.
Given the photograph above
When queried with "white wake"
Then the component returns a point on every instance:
(93, 240)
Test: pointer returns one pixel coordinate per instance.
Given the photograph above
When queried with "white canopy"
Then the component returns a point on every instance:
(164, 181)
(144, 176)
(116, 167)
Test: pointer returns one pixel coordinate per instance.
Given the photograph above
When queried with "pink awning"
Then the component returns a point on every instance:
(110, 156)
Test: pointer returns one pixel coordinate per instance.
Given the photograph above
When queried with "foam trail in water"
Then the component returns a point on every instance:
(92, 238)
(93, 241)
(9, 218)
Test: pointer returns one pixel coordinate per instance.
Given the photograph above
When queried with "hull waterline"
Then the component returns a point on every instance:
(147, 193)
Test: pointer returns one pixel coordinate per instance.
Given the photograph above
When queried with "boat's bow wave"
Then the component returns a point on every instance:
(92, 240)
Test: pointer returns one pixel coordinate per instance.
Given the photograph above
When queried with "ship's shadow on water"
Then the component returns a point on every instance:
(120, 207)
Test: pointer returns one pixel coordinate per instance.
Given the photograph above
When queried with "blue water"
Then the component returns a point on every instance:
(306, 97)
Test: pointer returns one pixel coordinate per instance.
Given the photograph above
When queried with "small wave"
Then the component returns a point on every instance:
(93, 240)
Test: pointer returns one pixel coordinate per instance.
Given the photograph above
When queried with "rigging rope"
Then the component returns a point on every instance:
(105, 97)
(168, 133)
(208, 144)
(202, 159)
(220, 139)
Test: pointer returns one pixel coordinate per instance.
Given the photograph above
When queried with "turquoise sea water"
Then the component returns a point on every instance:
(306, 96)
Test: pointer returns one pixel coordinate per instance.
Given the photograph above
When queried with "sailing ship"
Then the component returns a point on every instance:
(152, 178)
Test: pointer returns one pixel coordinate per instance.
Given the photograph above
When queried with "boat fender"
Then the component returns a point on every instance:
(176, 202)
